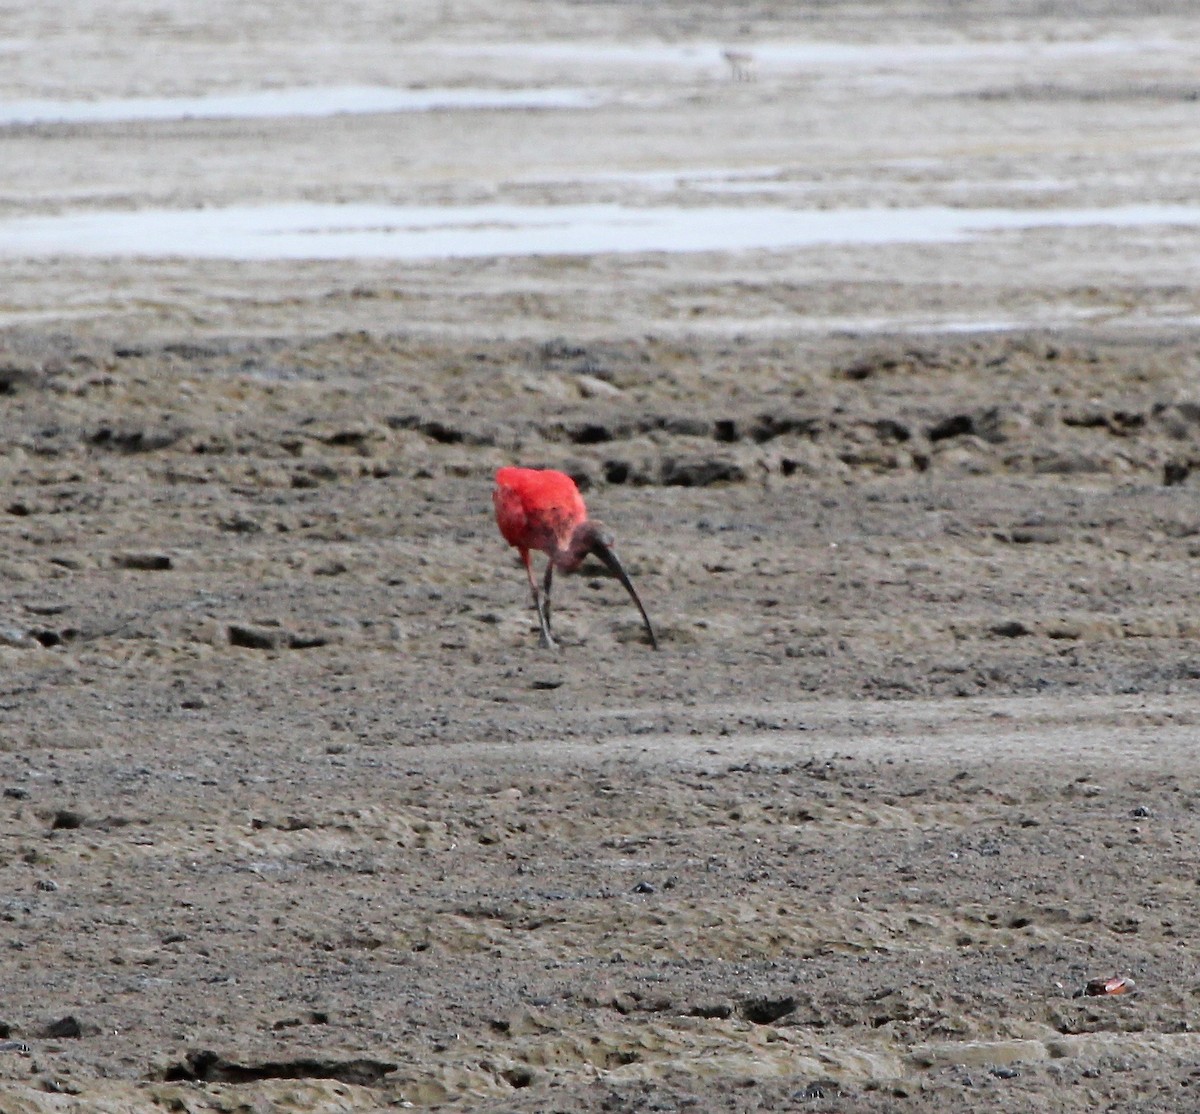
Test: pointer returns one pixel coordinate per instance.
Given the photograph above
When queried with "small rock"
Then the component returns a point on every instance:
(240, 524)
(306, 641)
(1175, 472)
(257, 638)
(701, 472)
(766, 1011)
(142, 562)
(65, 1028)
(135, 440)
(957, 425)
(714, 1010)
(592, 387)
(1103, 988)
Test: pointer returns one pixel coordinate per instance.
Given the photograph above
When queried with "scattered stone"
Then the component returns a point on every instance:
(306, 641)
(679, 425)
(616, 471)
(442, 432)
(1103, 988)
(1011, 628)
(142, 562)
(592, 387)
(589, 433)
(1175, 472)
(240, 524)
(701, 472)
(717, 1011)
(1031, 535)
(349, 438)
(766, 1011)
(135, 440)
(257, 638)
(210, 1067)
(65, 1028)
(769, 426)
(46, 638)
(13, 376)
(957, 425)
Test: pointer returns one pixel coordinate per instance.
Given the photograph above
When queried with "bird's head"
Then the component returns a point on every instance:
(595, 538)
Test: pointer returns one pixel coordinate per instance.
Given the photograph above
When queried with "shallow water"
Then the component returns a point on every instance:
(314, 231)
(273, 103)
(807, 55)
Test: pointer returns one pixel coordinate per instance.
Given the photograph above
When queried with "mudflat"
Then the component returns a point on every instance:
(296, 812)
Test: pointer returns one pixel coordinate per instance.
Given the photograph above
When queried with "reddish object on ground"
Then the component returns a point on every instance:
(542, 509)
(1102, 987)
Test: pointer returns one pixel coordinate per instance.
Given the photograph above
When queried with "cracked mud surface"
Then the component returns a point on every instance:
(295, 813)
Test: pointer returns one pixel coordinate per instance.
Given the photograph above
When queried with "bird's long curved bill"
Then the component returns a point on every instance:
(610, 559)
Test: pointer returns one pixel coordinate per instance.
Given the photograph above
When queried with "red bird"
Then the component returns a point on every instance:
(542, 509)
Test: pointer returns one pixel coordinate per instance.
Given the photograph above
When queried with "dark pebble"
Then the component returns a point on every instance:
(65, 1028)
(143, 562)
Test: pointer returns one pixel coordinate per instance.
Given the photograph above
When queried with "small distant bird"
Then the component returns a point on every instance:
(542, 509)
(741, 64)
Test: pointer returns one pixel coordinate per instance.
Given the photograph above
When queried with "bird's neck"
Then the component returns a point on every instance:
(571, 556)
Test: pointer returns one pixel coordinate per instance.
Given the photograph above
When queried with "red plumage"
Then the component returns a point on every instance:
(538, 509)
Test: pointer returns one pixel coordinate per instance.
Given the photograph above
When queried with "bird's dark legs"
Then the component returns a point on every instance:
(546, 591)
(542, 611)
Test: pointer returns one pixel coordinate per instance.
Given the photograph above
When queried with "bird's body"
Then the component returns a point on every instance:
(542, 509)
(538, 508)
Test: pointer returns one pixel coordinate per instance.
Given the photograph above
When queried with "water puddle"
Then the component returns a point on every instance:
(807, 55)
(275, 103)
(312, 231)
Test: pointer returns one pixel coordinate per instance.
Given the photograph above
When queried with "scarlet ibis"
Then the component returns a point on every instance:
(542, 509)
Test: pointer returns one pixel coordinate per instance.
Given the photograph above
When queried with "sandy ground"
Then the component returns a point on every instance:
(297, 815)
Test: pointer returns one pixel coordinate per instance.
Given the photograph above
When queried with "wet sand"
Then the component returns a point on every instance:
(296, 812)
